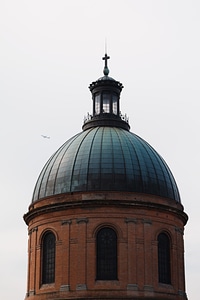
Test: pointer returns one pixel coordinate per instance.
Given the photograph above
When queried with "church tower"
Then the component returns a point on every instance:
(106, 219)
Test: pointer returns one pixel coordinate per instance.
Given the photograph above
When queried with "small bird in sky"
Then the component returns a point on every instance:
(45, 136)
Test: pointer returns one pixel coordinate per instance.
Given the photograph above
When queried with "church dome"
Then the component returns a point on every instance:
(106, 158)
(106, 220)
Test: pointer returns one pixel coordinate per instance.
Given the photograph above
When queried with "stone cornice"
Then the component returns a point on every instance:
(53, 207)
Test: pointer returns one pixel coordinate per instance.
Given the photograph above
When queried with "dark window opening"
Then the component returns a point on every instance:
(106, 103)
(106, 254)
(97, 104)
(115, 104)
(164, 270)
(48, 258)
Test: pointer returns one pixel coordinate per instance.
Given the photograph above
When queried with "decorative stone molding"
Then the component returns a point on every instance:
(174, 247)
(73, 241)
(38, 247)
(180, 230)
(31, 293)
(139, 241)
(82, 220)
(139, 204)
(59, 242)
(154, 243)
(183, 294)
(132, 287)
(64, 288)
(148, 288)
(147, 221)
(131, 220)
(91, 240)
(32, 230)
(81, 287)
(66, 222)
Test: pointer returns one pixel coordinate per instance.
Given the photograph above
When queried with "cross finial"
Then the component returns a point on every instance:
(106, 70)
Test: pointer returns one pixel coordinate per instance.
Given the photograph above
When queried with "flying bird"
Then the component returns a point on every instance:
(45, 136)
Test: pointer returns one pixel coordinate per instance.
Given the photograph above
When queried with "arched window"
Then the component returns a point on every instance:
(48, 258)
(106, 254)
(164, 269)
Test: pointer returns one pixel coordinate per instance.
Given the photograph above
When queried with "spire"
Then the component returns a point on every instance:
(106, 70)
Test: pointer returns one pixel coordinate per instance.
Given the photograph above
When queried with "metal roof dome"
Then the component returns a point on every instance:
(106, 158)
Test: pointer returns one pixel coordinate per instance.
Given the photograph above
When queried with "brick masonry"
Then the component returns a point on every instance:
(75, 220)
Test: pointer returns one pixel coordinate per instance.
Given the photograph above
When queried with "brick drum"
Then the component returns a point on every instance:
(75, 220)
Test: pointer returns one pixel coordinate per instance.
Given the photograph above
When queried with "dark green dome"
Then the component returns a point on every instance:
(106, 158)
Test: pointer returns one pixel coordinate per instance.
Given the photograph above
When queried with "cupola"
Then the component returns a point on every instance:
(106, 102)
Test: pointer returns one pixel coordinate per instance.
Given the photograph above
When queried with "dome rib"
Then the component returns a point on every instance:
(94, 172)
(135, 176)
(171, 178)
(124, 163)
(74, 176)
(150, 155)
(50, 165)
(150, 149)
(112, 150)
(88, 168)
(106, 158)
(101, 160)
(167, 175)
(61, 161)
(45, 172)
(36, 193)
(143, 166)
(120, 136)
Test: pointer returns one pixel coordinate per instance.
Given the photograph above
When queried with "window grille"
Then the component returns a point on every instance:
(164, 270)
(48, 258)
(106, 254)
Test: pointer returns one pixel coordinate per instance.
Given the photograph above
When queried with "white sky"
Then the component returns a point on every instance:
(50, 51)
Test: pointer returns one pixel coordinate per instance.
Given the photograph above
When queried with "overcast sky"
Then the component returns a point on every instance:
(50, 51)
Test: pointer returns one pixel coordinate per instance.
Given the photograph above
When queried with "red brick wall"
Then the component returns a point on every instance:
(75, 220)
